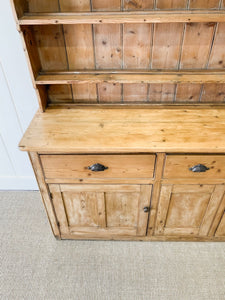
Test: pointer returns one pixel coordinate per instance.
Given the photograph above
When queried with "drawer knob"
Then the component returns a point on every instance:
(97, 168)
(199, 168)
(146, 209)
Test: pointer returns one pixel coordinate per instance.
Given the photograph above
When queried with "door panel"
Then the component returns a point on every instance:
(83, 208)
(101, 210)
(187, 209)
(121, 209)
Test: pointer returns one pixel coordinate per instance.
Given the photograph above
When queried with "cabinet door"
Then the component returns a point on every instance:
(101, 210)
(220, 232)
(187, 210)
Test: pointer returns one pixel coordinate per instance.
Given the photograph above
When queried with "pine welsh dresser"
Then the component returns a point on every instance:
(129, 139)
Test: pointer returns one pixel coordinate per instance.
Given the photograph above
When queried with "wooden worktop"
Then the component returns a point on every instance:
(117, 130)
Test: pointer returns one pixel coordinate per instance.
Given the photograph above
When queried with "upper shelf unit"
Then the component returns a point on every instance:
(112, 51)
(56, 6)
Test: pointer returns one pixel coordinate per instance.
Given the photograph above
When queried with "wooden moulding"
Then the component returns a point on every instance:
(145, 238)
(123, 18)
(132, 77)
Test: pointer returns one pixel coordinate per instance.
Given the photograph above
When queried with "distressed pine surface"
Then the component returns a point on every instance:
(187, 210)
(79, 48)
(126, 36)
(132, 77)
(196, 4)
(121, 130)
(131, 44)
(177, 166)
(119, 166)
(171, 4)
(101, 210)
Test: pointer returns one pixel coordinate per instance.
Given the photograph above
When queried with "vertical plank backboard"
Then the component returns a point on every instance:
(137, 52)
(78, 38)
(79, 46)
(213, 93)
(171, 4)
(166, 45)
(217, 58)
(204, 4)
(86, 93)
(161, 92)
(196, 47)
(108, 46)
(59, 94)
(167, 42)
(106, 5)
(109, 92)
(43, 6)
(80, 50)
(137, 41)
(135, 92)
(138, 4)
(51, 47)
(187, 92)
(74, 5)
(49, 39)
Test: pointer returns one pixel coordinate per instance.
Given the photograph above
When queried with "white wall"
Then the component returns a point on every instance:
(18, 104)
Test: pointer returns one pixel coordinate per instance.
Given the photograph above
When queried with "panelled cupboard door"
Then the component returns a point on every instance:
(101, 210)
(187, 210)
(220, 232)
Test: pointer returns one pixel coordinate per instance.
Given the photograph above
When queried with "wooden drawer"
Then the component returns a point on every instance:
(178, 166)
(118, 166)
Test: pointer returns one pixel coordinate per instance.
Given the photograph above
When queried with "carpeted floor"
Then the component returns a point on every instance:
(36, 266)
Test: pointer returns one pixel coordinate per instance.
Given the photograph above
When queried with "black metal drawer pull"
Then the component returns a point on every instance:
(146, 209)
(199, 168)
(97, 168)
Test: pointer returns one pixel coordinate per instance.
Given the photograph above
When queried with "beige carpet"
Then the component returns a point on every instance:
(36, 266)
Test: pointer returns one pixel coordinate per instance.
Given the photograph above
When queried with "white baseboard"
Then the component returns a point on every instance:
(18, 183)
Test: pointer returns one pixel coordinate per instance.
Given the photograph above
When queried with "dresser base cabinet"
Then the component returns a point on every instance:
(129, 139)
(187, 209)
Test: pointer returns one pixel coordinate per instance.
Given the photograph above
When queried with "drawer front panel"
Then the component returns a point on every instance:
(118, 166)
(211, 166)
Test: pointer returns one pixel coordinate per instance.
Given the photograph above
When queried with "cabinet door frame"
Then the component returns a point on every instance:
(220, 231)
(210, 212)
(102, 230)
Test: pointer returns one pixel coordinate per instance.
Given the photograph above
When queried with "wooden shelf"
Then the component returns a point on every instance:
(124, 17)
(133, 77)
(99, 130)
